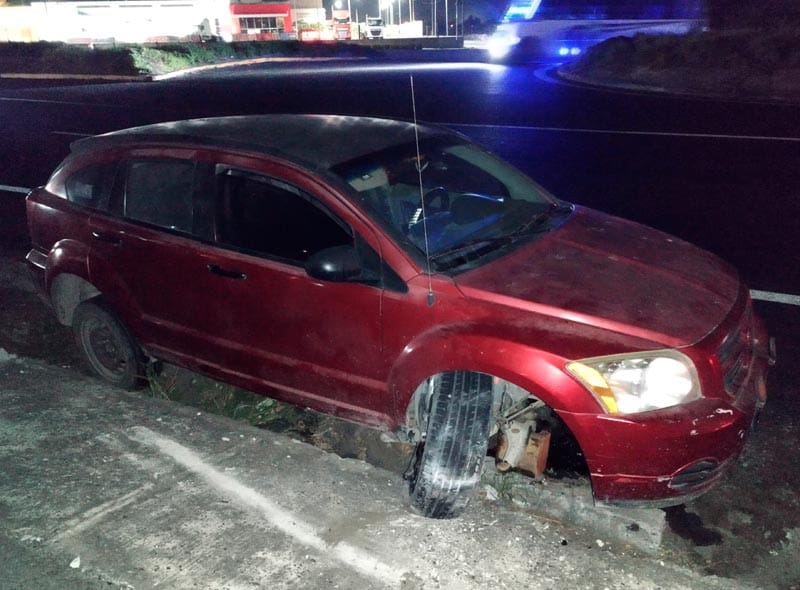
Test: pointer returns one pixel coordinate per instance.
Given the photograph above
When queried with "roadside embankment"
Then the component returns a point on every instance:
(36, 60)
(742, 64)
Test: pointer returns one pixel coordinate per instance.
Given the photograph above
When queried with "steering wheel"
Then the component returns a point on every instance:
(439, 192)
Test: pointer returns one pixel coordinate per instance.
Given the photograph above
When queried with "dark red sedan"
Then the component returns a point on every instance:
(405, 278)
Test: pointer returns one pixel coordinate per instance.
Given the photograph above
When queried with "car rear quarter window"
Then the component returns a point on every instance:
(91, 186)
(269, 217)
(160, 193)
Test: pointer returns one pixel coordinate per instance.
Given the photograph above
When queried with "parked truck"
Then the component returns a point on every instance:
(373, 28)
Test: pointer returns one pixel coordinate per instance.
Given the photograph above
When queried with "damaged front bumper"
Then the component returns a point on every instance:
(672, 456)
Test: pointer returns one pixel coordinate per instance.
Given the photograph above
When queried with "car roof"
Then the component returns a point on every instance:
(317, 141)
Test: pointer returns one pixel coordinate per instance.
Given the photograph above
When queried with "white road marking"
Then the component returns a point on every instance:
(629, 132)
(14, 189)
(303, 532)
(784, 298)
(52, 101)
(71, 133)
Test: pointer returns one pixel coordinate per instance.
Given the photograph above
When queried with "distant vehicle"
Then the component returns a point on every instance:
(373, 27)
(403, 277)
(532, 29)
(341, 25)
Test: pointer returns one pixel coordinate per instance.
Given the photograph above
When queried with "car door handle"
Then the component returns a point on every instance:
(224, 272)
(108, 238)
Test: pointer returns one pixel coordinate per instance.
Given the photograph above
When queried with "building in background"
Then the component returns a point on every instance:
(258, 21)
(156, 21)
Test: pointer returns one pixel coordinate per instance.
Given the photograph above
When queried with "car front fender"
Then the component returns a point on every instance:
(467, 348)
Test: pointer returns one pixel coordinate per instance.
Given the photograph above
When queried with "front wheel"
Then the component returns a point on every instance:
(447, 464)
(107, 348)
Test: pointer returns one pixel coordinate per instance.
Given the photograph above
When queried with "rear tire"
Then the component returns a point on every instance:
(447, 465)
(107, 348)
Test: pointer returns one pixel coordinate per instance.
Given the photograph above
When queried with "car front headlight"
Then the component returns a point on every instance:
(500, 46)
(633, 383)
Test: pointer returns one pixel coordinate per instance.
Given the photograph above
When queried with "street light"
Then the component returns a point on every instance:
(338, 6)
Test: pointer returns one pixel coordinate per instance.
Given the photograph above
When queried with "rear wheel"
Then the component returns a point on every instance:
(107, 348)
(447, 465)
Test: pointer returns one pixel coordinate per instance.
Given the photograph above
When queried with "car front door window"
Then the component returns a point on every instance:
(268, 217)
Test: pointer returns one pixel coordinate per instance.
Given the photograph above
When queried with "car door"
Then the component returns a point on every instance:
(205, 263)
(317, 341)
(146, 250)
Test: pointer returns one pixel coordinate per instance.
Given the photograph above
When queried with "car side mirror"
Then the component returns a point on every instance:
(337, 264)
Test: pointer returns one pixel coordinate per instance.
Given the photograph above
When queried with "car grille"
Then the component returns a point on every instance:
(736, 353)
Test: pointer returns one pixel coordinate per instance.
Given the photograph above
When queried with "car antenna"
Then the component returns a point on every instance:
(431, 298)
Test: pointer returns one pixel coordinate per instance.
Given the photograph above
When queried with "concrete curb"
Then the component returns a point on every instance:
(168, 75)
(572, 502)
(249, 62)
(560, 75)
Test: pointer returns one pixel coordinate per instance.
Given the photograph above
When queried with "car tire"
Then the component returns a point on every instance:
(107, 348)
(447, 465)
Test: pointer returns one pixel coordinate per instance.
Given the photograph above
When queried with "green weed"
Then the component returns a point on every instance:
(503, 485)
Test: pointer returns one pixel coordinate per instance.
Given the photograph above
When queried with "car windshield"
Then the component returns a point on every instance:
(465, 203)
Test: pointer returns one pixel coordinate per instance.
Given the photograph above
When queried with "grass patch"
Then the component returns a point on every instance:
(731, 63)
(164, 59)
(215, 397)
(61, 58)
(44, 57)
(501, 483)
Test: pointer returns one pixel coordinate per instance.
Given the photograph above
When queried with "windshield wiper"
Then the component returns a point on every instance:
(463, 250)
(537, 221)
(471, 250)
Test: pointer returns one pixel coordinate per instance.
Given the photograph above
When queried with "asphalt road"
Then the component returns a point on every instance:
(722, 174)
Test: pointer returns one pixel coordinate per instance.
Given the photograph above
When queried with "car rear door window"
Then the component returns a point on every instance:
(269, 217)
(91, 186)
(160, 192)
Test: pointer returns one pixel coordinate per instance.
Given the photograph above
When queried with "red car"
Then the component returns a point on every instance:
(402, 277)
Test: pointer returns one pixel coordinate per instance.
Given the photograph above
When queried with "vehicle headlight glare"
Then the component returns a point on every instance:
(500, 46)
(629, 384)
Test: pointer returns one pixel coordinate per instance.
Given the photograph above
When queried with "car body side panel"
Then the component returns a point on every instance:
(461, 333)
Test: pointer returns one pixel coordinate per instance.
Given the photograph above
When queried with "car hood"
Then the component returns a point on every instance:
(606, 272)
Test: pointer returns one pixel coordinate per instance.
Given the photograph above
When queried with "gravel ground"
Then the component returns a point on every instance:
(74, 451)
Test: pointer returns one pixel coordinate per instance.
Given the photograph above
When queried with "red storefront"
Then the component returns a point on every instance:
(267, 20)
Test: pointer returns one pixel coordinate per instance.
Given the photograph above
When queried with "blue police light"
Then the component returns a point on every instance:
(562, 51)
(575, 51)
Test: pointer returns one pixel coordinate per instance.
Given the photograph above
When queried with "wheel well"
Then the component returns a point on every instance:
(67, 291)
(507, 399)
(502, 392)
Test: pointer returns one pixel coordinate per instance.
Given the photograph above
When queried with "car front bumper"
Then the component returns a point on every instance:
(671, 456)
